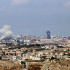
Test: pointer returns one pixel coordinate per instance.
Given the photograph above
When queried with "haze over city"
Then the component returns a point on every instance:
(34, 17)
(34, 34)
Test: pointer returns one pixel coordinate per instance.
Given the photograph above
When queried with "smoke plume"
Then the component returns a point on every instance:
(6, 32)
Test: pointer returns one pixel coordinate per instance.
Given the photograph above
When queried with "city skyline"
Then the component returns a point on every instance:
(28, 17)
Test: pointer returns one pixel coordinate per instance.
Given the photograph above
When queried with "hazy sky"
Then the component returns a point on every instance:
(34, 17)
